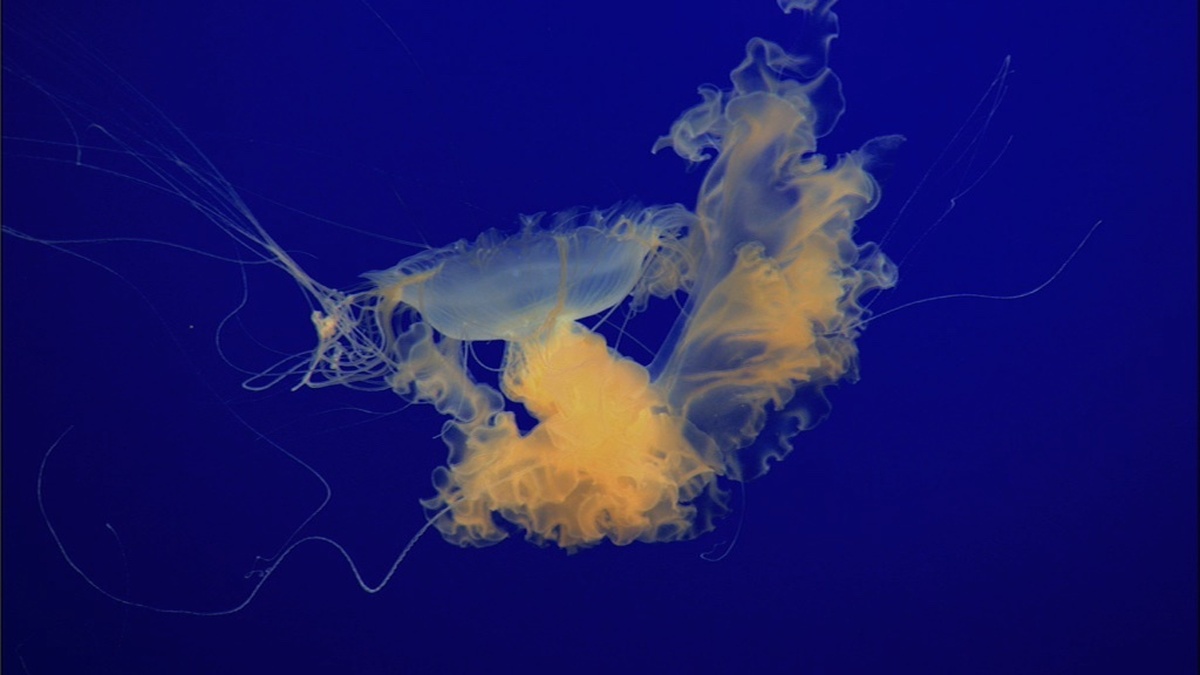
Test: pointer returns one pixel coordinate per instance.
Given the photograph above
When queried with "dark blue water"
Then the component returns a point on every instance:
(1011, 487)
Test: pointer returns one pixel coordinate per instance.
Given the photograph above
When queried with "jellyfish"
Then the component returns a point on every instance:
(767, 273)
(764, 269)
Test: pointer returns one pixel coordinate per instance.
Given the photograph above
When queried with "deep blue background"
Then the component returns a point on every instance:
(1010, 488)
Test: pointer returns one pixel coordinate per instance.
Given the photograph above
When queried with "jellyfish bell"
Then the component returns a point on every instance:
(512, 288)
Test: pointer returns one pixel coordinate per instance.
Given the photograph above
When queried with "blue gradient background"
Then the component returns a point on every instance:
(1010, 488)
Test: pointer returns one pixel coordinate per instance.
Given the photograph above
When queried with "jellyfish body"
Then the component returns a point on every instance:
(764, 267)
(510, 289)
(620, 450)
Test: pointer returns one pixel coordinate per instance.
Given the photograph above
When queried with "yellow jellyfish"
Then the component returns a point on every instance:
(621, 451)
(764, 269)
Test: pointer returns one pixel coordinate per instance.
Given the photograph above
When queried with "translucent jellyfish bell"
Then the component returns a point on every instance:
(511, 289)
